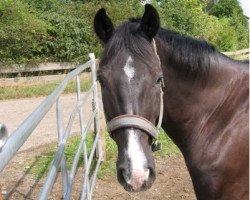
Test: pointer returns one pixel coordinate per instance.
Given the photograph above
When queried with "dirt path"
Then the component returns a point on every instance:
(14, 112)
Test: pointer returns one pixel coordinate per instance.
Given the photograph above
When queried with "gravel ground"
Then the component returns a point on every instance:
(14, 112)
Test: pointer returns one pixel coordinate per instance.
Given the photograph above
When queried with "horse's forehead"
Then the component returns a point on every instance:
(126, 64)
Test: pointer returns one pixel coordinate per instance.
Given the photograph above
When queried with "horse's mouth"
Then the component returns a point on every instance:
(144, 187)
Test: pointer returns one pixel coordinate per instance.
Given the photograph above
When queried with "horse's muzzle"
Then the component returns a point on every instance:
(136, 180)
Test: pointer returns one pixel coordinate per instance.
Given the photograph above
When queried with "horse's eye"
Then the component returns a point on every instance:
(159, 80)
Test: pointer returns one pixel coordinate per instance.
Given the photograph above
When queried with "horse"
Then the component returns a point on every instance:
(151, 75)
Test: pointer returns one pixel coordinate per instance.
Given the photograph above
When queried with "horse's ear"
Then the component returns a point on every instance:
(103, 25)
(150, 22)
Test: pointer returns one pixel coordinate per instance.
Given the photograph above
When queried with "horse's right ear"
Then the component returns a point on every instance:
(103, 25)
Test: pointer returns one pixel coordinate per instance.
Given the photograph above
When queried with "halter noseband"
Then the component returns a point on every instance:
(136, 121)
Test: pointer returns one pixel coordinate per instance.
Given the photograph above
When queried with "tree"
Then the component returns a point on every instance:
(232, 10)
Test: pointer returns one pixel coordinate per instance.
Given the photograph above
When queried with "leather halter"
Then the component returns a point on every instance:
(136, 121)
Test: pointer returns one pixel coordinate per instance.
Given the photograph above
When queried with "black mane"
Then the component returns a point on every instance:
(189, 56)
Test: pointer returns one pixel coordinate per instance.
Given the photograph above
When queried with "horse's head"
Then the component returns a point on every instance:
(130, 76)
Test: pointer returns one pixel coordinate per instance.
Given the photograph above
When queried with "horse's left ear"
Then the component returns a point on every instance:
(150, 22)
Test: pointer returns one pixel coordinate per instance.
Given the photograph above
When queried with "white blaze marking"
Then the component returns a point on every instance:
(135, 152)
(130, 73)
(129, 69)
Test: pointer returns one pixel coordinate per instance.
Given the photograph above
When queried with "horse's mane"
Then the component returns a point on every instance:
(189, 56)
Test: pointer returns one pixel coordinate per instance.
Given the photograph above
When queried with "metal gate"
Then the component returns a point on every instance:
(9, 147)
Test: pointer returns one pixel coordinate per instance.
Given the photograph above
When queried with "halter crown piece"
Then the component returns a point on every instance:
(136, 121)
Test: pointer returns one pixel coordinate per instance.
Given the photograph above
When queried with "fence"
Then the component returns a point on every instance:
(20, 135)
(235, 53)
(238, 55)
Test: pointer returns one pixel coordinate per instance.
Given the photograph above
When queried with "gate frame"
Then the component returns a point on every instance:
(21, 134)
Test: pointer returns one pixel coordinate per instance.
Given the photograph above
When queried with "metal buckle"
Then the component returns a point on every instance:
(156, 146)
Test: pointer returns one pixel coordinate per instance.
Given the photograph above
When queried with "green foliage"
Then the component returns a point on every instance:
(21, 32)
(231, 10)
(190, 17)
(225, 8)
(52, 30)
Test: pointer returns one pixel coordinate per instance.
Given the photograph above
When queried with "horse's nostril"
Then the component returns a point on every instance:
(152, 176)
(122, 176)
(152, 173)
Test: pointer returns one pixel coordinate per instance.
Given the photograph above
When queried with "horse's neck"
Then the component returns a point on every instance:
(190, 104)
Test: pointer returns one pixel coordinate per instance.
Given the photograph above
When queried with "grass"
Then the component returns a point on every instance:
(44, 160)
(27, 91)
(107, 169)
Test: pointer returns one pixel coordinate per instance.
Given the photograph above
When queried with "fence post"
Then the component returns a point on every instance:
(103, 129)
(97, 122)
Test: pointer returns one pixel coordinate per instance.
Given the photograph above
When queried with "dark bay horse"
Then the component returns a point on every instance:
(206, 100)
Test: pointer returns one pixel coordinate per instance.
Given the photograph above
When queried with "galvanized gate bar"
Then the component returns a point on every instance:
(82, 144)
(52, 173)
(21, 134)
(60, 130)
(76, 158)
(85, 189)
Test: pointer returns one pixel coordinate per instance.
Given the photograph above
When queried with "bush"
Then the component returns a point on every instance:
(53, 30)
(231, 10)
(22, 33)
